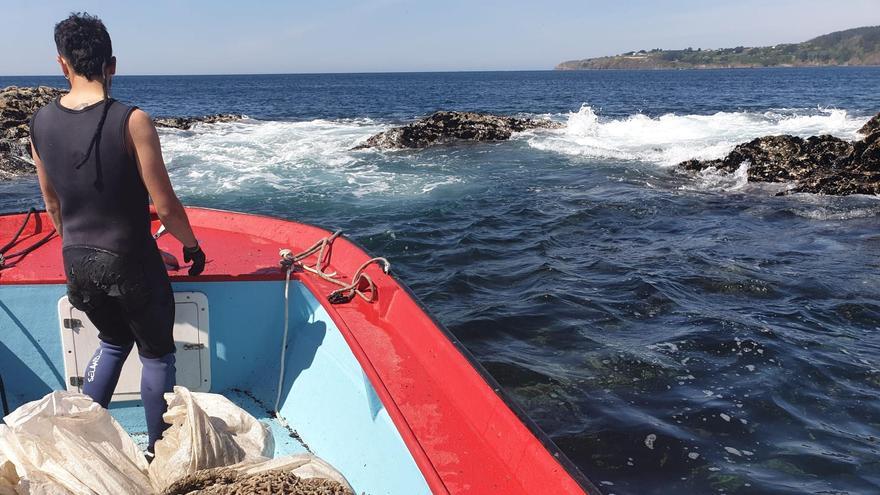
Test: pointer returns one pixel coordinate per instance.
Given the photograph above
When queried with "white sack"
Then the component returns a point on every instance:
(207, 431)
(65, 444)
(8, 475)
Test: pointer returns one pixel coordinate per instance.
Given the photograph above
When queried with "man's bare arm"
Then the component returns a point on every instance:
(144, 141)
(50, 197)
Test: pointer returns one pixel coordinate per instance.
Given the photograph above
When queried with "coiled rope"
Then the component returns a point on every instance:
(361, 284)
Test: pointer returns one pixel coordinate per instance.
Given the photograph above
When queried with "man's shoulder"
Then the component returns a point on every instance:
(43, 108)
(32, 122)
(121, 106)
(139, 119)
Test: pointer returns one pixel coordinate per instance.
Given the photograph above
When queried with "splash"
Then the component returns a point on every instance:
(669, 139)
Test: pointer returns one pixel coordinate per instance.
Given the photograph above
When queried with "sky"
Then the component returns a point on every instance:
(276, 36)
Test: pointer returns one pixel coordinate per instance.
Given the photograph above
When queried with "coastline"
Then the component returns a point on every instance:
(559, 68)
(858, 47)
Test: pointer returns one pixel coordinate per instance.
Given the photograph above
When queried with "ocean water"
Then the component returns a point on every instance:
(672, 333)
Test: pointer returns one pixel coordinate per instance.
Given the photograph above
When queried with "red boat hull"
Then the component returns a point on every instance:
(464, 436)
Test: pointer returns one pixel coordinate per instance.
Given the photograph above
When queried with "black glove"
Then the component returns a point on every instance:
(197, 256)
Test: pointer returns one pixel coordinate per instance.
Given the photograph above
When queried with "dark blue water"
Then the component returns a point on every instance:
(672, 333)
(403, 96)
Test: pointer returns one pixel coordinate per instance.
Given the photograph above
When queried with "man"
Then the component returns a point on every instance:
(98, 163)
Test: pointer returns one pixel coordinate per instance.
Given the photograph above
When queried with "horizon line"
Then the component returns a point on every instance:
(303, 73)
(212, 74)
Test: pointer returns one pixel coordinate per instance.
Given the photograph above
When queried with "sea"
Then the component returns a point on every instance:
(672, 332)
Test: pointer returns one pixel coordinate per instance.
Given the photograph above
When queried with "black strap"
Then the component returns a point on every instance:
(3, 397)
(95, 145)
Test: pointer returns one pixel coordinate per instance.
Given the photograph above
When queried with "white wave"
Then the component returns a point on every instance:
(835, 208)
(312, 157)
(711, 179)
(670, 139)
(826, 214)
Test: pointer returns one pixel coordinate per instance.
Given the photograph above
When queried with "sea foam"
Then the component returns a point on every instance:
(307, 157)
(669, 139)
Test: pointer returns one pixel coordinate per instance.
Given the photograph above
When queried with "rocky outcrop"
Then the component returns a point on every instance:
(818, 164)
(17, 104)
(871, 127)
(858, 172)
(779, 158)
(188, 122)
(16, 107)
(450, 127)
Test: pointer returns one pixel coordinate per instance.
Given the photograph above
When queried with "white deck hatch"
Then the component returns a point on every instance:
(79, 339)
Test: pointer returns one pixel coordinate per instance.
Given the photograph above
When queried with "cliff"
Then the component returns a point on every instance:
(859, 46)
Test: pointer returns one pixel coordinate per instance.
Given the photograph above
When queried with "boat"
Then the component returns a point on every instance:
(327, 347)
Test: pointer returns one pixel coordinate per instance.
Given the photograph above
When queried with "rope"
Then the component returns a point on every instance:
(284, 341)
(347, 291)
(5, 258)
(11, 243)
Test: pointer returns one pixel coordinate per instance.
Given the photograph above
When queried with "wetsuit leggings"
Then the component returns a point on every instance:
(129, 299)
(157, 378)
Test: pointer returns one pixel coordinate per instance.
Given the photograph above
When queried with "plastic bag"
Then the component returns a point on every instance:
(207, 431)
(65, 443)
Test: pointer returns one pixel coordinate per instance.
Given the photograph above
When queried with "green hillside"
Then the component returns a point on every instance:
(859, 46)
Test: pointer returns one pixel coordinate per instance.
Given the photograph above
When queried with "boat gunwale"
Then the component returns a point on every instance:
(542, 436)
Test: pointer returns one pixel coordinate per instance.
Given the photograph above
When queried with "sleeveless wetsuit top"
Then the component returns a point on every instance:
(104, 202)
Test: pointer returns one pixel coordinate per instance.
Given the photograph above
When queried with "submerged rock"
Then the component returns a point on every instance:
(188, 122)
(447, 127)
(818, 164)
(17, 104)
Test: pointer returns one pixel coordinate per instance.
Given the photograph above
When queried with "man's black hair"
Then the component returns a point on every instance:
(85, 43)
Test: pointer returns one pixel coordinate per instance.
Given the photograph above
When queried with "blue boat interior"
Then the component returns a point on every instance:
(130, 414)
(327, 404)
